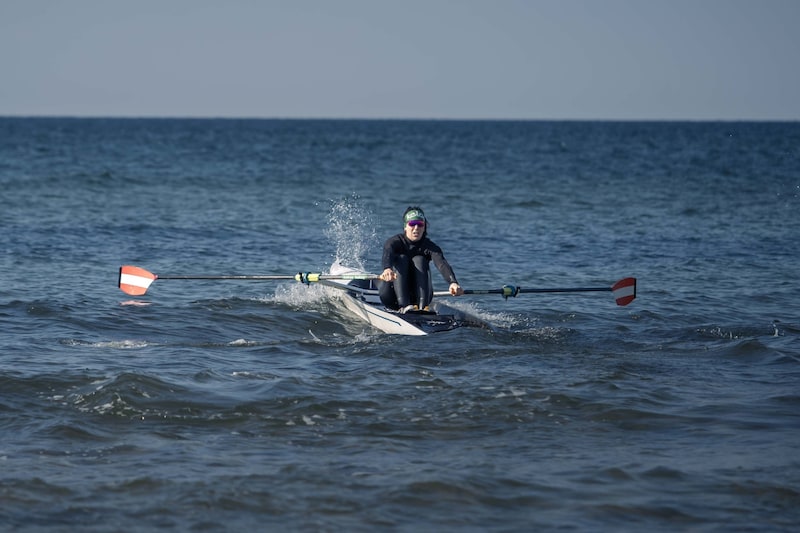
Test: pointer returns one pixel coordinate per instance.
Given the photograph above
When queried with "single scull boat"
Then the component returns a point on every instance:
(360, 296)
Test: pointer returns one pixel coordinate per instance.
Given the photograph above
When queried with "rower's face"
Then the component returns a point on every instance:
(415, 229)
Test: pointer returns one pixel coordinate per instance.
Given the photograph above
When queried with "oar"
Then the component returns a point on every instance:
(135, 280)
(624, 290)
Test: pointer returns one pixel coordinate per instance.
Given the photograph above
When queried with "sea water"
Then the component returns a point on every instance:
(227, 405)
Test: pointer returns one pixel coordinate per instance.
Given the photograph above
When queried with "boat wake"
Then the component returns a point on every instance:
(504, 321)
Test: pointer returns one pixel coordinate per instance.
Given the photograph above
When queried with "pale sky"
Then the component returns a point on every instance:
(442, 59)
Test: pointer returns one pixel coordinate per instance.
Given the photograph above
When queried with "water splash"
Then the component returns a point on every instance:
(352, 231)
(298, 295)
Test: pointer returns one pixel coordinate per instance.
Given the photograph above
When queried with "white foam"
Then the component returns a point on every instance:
(242, 342)
(125, 344)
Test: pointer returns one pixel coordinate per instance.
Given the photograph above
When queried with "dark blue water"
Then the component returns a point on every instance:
(224, 405)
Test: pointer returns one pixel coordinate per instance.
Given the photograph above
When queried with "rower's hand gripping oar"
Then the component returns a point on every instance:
(135, 280)
(624, 291)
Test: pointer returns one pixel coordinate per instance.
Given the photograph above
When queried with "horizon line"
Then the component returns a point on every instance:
(377, 119)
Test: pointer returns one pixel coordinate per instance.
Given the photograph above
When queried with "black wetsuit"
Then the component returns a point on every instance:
(410, 260)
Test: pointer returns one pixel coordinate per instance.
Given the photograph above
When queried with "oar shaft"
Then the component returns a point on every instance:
(304, 277)
(226, 276)
(574, 289)
(136, 280)
(624, 290)
(513, 291)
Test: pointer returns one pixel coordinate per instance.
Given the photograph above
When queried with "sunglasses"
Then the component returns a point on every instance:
(414, 223)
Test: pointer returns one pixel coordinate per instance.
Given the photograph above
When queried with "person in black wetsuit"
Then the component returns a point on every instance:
(406, 257)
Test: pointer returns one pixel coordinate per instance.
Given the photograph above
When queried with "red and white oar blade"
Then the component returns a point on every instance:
(624, 291)
(134, 280)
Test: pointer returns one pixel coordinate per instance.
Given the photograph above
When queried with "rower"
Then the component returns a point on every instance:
(406, 274)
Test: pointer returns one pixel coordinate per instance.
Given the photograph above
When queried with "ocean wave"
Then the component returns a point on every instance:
(126, 344)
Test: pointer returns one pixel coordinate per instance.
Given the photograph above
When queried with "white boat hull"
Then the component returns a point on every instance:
(379, 318)
(361, 298)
